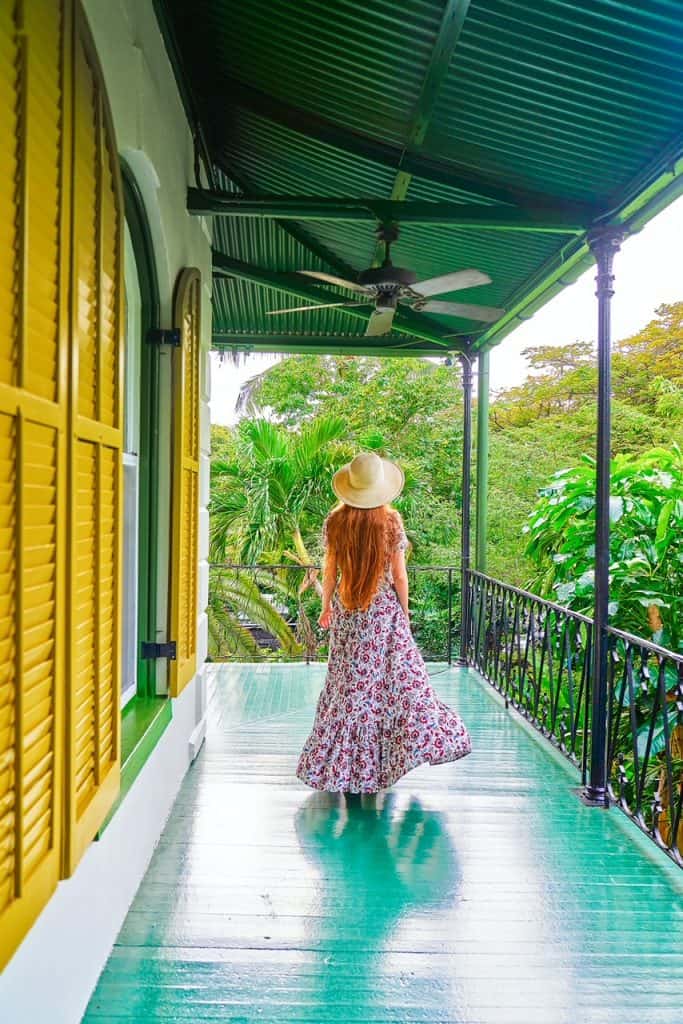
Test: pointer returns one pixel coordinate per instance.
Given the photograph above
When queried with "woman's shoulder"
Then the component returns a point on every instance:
(331, 515)
(327, 521)
(395, 519)
(397, 533)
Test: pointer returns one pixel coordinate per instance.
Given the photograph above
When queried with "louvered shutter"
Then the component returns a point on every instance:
(93, 715)
(184, 597)
(33, 454)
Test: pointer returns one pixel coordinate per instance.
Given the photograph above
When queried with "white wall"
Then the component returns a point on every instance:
(52, 975)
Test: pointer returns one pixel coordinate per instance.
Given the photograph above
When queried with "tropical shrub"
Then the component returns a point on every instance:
(646, 545)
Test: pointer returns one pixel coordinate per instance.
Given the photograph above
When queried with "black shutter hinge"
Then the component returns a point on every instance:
(163, 336)
(167, 650)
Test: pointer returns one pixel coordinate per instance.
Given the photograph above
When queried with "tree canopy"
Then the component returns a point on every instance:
(411, 410)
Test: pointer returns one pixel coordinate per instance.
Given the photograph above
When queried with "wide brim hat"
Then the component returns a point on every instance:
(368, 481)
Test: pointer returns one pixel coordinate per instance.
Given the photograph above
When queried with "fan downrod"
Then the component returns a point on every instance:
(387, 279)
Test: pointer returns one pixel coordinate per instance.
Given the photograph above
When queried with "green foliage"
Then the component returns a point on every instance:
(646, 545)
(548, 423)
(274, 489)
(271, 475)
(407, 409)
(234, 599)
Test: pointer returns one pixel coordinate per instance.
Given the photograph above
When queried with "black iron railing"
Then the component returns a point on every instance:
(238, 627)
(538, 656)
(645, 737)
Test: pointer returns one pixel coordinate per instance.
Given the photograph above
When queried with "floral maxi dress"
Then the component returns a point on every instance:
(377, 715)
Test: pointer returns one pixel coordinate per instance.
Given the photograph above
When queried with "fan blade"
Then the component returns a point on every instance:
(464, 309)
(324, 305)
(331, 279)
(451, 282)
(380, 323)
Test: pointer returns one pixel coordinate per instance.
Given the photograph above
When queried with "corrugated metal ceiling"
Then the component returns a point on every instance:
(553, 103)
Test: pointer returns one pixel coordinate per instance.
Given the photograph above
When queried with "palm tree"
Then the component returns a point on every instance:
(275, 491)
(271, 495)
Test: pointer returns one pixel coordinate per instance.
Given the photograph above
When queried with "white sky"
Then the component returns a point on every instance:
(648, 272)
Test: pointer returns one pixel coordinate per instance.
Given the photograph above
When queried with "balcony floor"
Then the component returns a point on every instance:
(482, 892)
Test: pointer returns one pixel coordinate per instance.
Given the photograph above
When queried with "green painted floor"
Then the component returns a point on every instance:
(482, 892)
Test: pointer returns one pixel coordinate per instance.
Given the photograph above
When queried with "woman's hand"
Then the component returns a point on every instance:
(325, 619)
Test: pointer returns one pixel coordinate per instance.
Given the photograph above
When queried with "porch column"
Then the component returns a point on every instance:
(466, 505)
(480, 559)
(604, 243)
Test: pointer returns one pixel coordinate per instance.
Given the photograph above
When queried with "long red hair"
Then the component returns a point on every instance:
(361, 539)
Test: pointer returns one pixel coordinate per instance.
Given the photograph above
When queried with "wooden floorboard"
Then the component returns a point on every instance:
(482, 892)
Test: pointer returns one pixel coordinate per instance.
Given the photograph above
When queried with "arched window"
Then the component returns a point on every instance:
(140, 454)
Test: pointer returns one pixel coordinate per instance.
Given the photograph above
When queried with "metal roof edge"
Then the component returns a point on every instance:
(661, 191)
(317, 346)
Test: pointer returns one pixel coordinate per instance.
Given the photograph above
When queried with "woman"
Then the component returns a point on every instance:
(378, 716)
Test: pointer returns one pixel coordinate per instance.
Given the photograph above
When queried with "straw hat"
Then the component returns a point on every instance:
(368, 481)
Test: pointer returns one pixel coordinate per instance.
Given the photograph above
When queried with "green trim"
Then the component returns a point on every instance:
(480, 555)
(452, 23)
(143, 722)
(333, 345)
(181, 79)
(450, 29)
(562, 269)
(575, 258)
(149, 405)
(295, 231)
(202, 201)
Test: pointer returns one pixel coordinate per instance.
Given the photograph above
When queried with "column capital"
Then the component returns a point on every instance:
(604, 240)
(466, 363)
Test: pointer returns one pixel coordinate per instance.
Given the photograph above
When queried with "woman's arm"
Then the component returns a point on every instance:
(400, 575)
(329, 583)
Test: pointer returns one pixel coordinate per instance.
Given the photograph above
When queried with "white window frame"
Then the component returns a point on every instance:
(131, 474)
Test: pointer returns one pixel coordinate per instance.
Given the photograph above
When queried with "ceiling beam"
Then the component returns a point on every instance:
(364, 146)
(303, 208)
(405, 321)
(450, 29)
(328, 257)
(329, 345)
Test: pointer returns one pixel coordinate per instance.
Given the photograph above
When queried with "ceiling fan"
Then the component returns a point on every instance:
(385, 286)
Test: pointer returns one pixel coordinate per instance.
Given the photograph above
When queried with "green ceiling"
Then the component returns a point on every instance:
(542, 112)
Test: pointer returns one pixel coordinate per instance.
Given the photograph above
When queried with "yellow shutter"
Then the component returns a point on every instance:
(95, 461)
(185, 529)
(60, 454)
(33, 452)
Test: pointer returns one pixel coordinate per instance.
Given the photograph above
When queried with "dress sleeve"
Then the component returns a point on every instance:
(398, 541)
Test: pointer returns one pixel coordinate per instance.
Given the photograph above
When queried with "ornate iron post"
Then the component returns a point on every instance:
(604, 243)
(466, 506)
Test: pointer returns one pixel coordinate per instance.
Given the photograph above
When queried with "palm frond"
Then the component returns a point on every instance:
(228, 638)
(315, 438)
(228, 515)
(240, 594)
(265, 440)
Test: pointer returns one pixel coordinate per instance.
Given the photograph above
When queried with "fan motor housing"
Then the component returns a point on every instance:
(387, 279)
